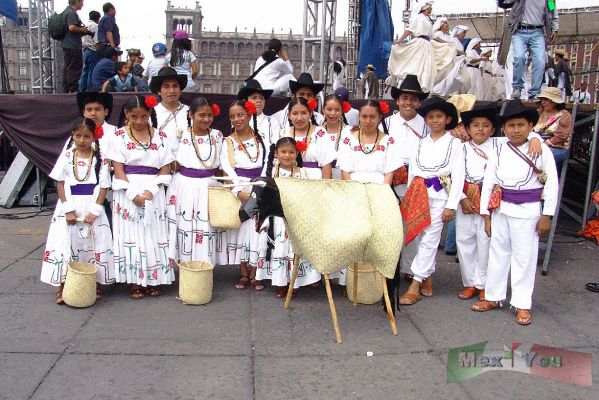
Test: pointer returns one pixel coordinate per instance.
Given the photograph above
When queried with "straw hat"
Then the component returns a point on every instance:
(559, 52)
(552, 93)
(462, 103)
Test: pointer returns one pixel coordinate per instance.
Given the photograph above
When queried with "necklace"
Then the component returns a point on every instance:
(244, 148)
(89, 166)
(374, 146)
(198, 153)
(308, 137)
(294, 173)
(132, 136)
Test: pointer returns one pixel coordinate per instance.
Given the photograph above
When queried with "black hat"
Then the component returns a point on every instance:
(437, 103)
(87, 97)
(517, 109)
(409, 85)
(253, 86)
(489, 112)
(164, 74)
(305, 79)
(110, 52)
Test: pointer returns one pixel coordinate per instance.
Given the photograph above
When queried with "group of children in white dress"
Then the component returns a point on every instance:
(162, 169)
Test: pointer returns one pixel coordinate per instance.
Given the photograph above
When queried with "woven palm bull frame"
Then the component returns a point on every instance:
(356, 222)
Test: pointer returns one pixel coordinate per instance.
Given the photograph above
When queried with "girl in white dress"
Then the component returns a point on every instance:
(140, 157)
(276, 249)
(82, 181)
(316, 146)
(244, 155)
(334, 109)
(198, 158)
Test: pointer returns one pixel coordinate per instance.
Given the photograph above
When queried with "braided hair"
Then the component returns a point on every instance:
(241, 103)
(300, 100)
(274, 147)
(89, 124)
(376, 104)
(195, 105)
(338, 99)
(137, 101)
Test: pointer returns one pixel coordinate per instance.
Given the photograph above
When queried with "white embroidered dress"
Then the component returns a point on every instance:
(76, 242)
(191, 238)
(141, 234)
(320, 152)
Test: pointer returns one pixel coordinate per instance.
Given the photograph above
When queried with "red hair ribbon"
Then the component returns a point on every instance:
(345, 107)
(98, 132)
(312, 104)
(384, 107)
(215, 110)
(151, 101)
(301, 146)
(250, 107)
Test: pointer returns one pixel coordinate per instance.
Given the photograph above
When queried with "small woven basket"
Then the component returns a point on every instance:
(195, 282)
(223, 208)
(80, 285)
(370, 284)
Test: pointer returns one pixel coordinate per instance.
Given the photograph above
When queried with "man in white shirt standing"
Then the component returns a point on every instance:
(581, 96)
(89, 51)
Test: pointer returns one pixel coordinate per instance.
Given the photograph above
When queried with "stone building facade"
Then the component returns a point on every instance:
(225, 59)
(16, 51)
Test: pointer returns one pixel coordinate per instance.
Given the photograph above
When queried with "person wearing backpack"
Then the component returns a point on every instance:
(71, 46)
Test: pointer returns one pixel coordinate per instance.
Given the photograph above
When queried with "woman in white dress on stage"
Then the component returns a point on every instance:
(472, 73)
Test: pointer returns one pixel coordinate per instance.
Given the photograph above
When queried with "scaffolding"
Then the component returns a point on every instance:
(353, 44)
(41, 45)
(320, 18)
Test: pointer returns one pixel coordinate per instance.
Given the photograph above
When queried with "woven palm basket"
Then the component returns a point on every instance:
(223, 208)
(335, 223)
(80, 285)
(195, 282)
(370, 284)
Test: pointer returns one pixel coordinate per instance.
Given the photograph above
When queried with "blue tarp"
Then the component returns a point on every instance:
(376, 36)
(8, 8)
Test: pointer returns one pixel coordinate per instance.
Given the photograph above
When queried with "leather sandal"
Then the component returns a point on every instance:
(257, 286)
(409, 298)
(481, 294)
(468, 293)
(98, 293)
(426, 289)
(58, 296)
(136, 292)
(486, 305)
(243, 282)
(523, 317)
(281, 292)
(152, 291)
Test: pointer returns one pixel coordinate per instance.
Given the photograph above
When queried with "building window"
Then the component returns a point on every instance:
(240, 49)
(226, 89)
(207, 88)
(212, 48)
(204, 48)
(23, 21)
(585, 78)
(22, 55)
(22, 70)
(222, 49)
(23, 87)
(230, 49)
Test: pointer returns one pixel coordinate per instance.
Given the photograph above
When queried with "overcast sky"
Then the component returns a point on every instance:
(143, 22)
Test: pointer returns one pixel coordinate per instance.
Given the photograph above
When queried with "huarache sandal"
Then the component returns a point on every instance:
(486, 305)
(243, 283)
(257, 286)
(426, 289)
(409, 298)
(58, 295)
(135, 292)
(468, 293)
(98, 293)
(523, 317)
(281, 292)
(152, 291)
(481, 294)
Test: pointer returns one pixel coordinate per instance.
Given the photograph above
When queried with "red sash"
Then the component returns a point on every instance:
(400, 176)
(415, 209)
(472, 192)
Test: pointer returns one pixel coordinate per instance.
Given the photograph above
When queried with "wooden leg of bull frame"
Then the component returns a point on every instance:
(355, 294)
(333, 311)
(388, 304)
(296, 260)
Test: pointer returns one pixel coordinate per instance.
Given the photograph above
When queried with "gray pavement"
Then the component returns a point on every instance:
(244, 345)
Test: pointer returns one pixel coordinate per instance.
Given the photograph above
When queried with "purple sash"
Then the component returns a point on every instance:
(434, 182)
(310, 164)
(197, 173)
(425, 37)
(140, 170)
(85, 189)
(471, 66)
(249, 172)
(521, 196)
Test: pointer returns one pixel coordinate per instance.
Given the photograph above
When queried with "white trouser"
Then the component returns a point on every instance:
(473, 248)
(423, 265)
(281, 86)
(515, 243)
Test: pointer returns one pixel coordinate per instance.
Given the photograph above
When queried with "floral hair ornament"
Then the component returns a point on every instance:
(215, 110)
(345, 107)
(301, 146)
(151, 101)
(250, 107)
(312, 104)
(384, 107)
(98, 132)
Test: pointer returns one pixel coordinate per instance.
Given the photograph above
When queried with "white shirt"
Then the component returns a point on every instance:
(172, 123)
(405, 139)
(509, 171)
(153, 67)
(89, 42)
(209, 152)
(268, 128)
(259, 157)
(273, 71)
(581, 97)
(352, 117)
(321, 149)
(185, 67)
(436, 158)
(282, 117)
